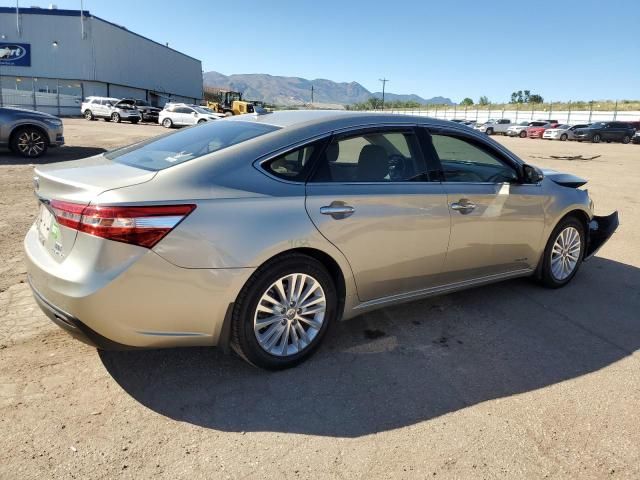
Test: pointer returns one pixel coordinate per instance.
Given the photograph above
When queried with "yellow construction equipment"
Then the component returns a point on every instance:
(231, 103)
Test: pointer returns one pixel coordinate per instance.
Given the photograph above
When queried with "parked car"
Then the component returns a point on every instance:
(492, 126)
(519, 130)
(562, 132)
(636, 137)
(605, 131)
(181, 114)
(261, 231)
(108, 108)
(148, 112)
(29, 133)
(635, 125)
(536, 131)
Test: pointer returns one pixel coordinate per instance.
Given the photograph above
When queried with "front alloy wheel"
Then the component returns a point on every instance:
(283, 312)
(29, 142)
(563, 253)
(115, 117)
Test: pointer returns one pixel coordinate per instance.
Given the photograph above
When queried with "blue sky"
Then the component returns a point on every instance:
(561, 49)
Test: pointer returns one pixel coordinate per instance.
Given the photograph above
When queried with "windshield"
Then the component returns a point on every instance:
(524, 124)
(537, 124)
(202, 110)
(185, 145)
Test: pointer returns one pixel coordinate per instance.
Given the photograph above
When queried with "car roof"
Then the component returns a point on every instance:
(343, 119)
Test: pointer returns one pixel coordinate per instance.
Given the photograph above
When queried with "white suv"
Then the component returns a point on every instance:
(179, 114)
(109, 108)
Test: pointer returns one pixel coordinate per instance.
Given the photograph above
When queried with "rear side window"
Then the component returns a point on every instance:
(185, 145)
(371, 157)
(290, 166)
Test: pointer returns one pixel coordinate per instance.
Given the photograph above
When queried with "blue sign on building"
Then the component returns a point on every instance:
(15, 54)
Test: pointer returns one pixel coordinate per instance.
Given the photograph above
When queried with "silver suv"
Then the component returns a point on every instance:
(29, 133)
(109, 108)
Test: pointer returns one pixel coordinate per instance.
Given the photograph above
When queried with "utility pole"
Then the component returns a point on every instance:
(311, 94)
(384, 82)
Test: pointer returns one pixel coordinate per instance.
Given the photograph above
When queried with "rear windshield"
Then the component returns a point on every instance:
(160, 153)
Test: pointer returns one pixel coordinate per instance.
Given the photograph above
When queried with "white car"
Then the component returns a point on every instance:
(109, 109)
(178, 115)
(493, 126)
(562, 132)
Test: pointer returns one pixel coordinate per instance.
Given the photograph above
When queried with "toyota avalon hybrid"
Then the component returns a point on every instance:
(259, 231)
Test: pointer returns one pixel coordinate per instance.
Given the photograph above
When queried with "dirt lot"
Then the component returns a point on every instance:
(506, 381)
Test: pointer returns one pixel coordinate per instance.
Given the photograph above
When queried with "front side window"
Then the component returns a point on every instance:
(463, 161)
(185, 145)
(371, 157)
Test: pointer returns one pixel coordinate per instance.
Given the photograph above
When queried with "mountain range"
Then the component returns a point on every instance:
(295, 90)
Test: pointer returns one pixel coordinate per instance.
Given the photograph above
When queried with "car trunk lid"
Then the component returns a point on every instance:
(76, 183)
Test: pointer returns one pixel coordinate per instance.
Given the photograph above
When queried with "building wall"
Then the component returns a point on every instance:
(106, 54)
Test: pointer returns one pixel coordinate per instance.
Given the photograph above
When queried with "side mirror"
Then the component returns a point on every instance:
(531, 174)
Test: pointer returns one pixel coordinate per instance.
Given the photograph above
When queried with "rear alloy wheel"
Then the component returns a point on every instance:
(283, 312)
(564, 137)
(88, 115)
(626, 139)
(563, 254)
(115, 117)
(596, 138)
(489, 131)
(523, 134)
(29, 142)
(167, 123)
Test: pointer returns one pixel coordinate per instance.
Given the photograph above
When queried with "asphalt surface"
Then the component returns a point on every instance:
(506, 381)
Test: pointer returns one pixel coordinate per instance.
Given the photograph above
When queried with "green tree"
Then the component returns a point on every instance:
(466, 102)
(483, 100)
(535, 98)
(527, 93)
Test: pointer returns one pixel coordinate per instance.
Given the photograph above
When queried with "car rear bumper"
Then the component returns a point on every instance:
(115, 295)
(600, 230)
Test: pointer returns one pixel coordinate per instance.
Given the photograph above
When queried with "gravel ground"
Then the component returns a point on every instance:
(505, 381)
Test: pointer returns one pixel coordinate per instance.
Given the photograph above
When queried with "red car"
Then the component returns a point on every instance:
(537, 128)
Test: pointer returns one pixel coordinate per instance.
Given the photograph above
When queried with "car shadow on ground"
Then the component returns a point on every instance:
(406, 364)
(59, 154)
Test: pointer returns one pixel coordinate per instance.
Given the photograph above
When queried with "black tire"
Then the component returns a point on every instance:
(596, 138)
(29, 142)
(115, 117)
(547, 277)
(626, 139)
(564, 137)
(489, 131)
(167, 123)
(243, 338)
(88, 115)
(523, 134)
(134, 121)
(202, 120)
(228, 113)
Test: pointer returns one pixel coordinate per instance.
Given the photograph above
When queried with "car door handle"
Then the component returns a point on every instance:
(337, 211)
(463, 206)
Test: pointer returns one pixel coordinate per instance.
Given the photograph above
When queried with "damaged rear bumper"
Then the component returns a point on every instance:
(600, 230)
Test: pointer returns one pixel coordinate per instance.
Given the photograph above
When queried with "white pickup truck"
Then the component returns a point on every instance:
(492, 126)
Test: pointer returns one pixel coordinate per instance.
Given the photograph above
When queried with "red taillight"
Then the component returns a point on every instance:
(144, 226)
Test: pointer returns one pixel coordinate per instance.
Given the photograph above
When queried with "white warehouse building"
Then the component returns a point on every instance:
(51, 59)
